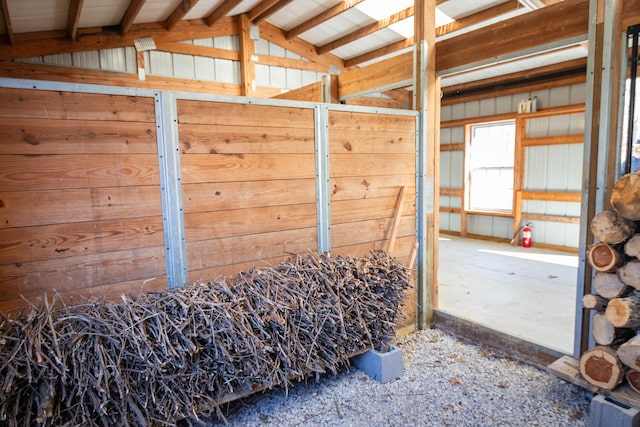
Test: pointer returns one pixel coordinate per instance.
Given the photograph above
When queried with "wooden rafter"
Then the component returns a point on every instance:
(179, 12)
(476, 18)
(322, 17)
(202, 51)
(365, 31)
(575, 66)
(386, 50)
(517, 34)
(130, 15)
(50, 43)
(73, 18)
(275, 35)
(7, 20)
(459, 24)
(221, 11)
(265, 9)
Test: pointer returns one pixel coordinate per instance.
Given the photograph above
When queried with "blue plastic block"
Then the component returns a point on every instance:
(382, 367)
(606, 412)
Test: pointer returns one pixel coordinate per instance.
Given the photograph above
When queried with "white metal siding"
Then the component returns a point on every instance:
(547, 168)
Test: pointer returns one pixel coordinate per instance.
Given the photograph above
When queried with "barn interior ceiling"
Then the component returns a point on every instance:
(343, 34)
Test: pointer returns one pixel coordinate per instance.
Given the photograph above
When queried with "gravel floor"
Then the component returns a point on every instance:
(446, 383)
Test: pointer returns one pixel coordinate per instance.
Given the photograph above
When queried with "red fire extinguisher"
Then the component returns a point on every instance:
(526, 236)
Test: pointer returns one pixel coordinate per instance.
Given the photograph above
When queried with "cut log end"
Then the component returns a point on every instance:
(601, 367)
(609, 226)
(603, 257)
(629, 353)
(633, 378)
(624, 312)
(625, 196)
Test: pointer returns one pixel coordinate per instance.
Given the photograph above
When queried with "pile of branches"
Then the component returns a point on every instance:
(171, 357)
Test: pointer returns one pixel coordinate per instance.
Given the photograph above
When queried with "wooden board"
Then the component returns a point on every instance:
(568, 369)
(43, 242)
(244, 115)
(75, 106)
(57, 136)
(19, 173)
(220, 196)
(197, 168)
(240, 222)
(200, 139)
(228, 251)
(32, 208)
(371, 186)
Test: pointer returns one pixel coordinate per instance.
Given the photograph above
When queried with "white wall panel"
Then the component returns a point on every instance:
(90, 60)
(183, 66)
(159, 63)
(205, 68)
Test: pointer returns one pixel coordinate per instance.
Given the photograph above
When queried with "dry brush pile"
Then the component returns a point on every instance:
(176, 356)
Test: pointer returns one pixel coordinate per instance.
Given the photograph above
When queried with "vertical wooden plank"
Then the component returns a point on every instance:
(391, 241)
(518, 175)
(247, 50)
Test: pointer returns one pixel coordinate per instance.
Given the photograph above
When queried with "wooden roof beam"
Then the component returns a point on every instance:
(543, 27)
(179, 12)
(365, 31)
(476, 18)
(221, 11)
(56, 42)
(575, 66)
(265, 9)
(386, 50)
(297, 45)
(130, 15)
(459, 24)
(332, 12)
(7, 20)
(392, 73)
(73, 18)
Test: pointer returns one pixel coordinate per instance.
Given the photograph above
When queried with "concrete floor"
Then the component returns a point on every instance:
(529, 293)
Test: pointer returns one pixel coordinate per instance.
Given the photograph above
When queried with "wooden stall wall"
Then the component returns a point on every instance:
(248, 182)
(79, 196)
(372, 156)
(80, 188)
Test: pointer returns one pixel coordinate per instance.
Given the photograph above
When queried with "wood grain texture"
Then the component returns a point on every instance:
(240, 222)
(220, 196)
(55, 136)
(215, 253)
(233, 139)
(250, 115)
(197, 168)
(38, 277)
(363, 187)
(19, 173)
(27, 244)
(46, 207)
(48, 105)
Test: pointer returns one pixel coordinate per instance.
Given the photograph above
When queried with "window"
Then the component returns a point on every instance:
(491, 158)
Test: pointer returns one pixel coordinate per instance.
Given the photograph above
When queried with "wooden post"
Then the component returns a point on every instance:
(427, 103)
(247, 67)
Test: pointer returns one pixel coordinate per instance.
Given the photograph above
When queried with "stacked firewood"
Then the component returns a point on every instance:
(616, 285)
(166, 358)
